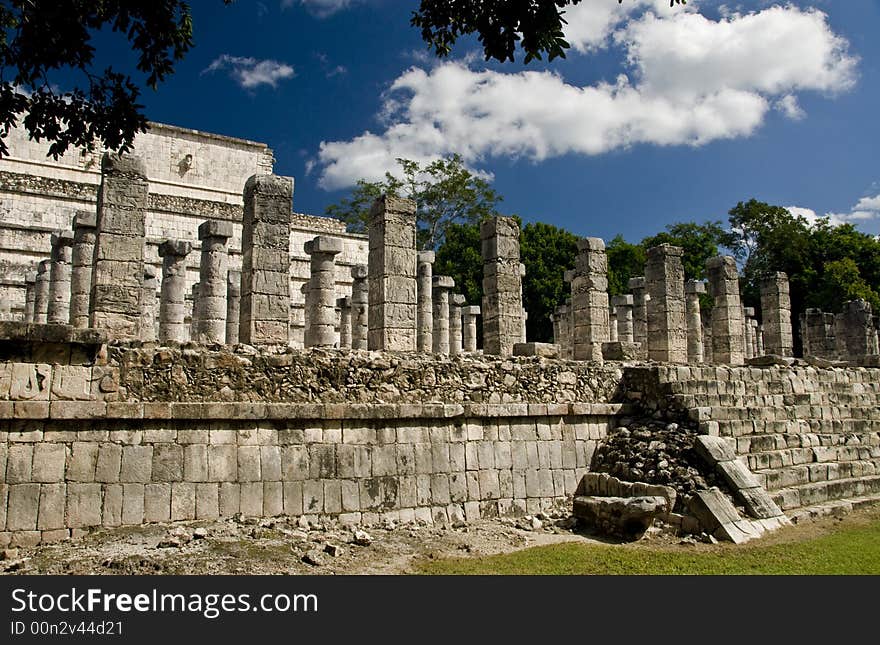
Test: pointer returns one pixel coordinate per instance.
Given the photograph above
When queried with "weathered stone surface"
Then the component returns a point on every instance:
(626, 517)
(664, 281)
(502, 286)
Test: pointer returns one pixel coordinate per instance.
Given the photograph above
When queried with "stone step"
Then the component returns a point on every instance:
(751, 411)
(784, 457)
(836, 508)
(774, 479)
(825, 491)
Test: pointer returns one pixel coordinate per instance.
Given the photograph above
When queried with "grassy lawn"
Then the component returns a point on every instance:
(848, 547)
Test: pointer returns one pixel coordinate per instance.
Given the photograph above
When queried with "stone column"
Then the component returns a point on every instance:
(692, 290)
(213, 267)
(440, 297)
(525, 314)
(664, 280)
(753, 323)
(589, 297)
(265, 271)
(194, 311)
(624, 308)
(148, 304)
(748, 333)
(456, 302)
(305, 290)
(59, 278)
(563, 316)
(760, 337)
(392, 275)
(233, 304)
(776, 315)
(469, 328)
(41, 292)
(640, 313)
(502, 302)
(344, 306)
(322, 291)
(728, 341)
(84, 233)
(612, 324)
(857, 329)
(425, 312)
(360, 296)
(30, 295)
(172, 300)
(118, 271)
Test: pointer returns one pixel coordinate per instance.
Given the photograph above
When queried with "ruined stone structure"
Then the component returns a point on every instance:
(693, 289)
(440, 296)
(210, 324)
(425, 312)
(640, 313)
(84, 229)
(502, 286)
(664, 281)
(59, 278)
(728, 333)
(172, 301)
(776, 315)
(589, 297)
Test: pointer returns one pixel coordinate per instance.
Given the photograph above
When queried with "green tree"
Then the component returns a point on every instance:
(459, 257)
(625, 261)
(537, 25)
(547, 251)
(39, 37)
(445, 192)
(699, 241)
(841, 281)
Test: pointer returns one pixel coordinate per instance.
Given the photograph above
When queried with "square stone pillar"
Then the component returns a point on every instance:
(502, 285)
(322, 291)
(469, 328)
(525, 314)
(41, 292)
(748, 332)
(612, 324)
(343, 305)
(360, 303)
(83, 255)
(194, 311)
(59, 278)
(172, 299)
(233, 306)
(692, 290)
(664, 280)
(623, 306)
(442, 284)
(148, 305)
(589, 297)
(640, 313)
(392, 275)
(213, 267)
(425, 312)
(265, 270)
(857, 330)
(118, 267)
(776, 315)
(456, 302)
(728, 338)
(30, 295)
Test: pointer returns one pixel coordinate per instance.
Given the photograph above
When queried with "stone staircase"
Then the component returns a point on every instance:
(810, 436)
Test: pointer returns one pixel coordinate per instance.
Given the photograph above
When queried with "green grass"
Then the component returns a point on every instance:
(847, 550)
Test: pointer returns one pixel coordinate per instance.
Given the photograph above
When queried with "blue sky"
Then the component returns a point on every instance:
(657, 115)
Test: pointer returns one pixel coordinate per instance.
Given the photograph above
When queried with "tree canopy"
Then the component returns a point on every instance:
(40, 37)
(445, 192)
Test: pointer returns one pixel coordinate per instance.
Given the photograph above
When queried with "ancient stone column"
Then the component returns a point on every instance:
(748, 334)
(564, 320)
(753, 323)
(30, 295)
(233, 304)
(857, 329)
(640, 313)
(322, 291)
(442, 285)
(502, 302)
(58, 311)
(425, 312)
(525, 314)
(148, 304)
(456, 302)
(664, 280)
(760, 338)
(728, 340)
(118, 272)
(392, 275)
(265, 271)
(344, 307)
(469, 328)
(193, 311)
(776, 315)
(172, 300)
(213, 267)
(692, 290)
(589, 297)
(623, 306)
(41, 292)
(84, 233)
(612, 324)
(360, 295)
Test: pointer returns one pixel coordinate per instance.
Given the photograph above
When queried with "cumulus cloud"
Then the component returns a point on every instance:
(694, 81)
(249, 72)
(590, 24)
(866, 209)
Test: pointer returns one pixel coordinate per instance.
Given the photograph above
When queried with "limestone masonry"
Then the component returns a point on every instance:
(178, 344)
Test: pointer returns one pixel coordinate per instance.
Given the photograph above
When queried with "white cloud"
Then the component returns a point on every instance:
(869, 204)
(321, 8)
(249, 72)
(591, 23)
(696, 80)
(867, 209)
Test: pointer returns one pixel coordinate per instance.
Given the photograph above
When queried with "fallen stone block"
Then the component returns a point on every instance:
(626, 517)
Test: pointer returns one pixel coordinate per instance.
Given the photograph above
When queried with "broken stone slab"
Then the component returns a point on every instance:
(621, 351)
(737, 475)
(714, 449)
(712, 508)
(758, 503)
(545, 350)
(626, 517)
